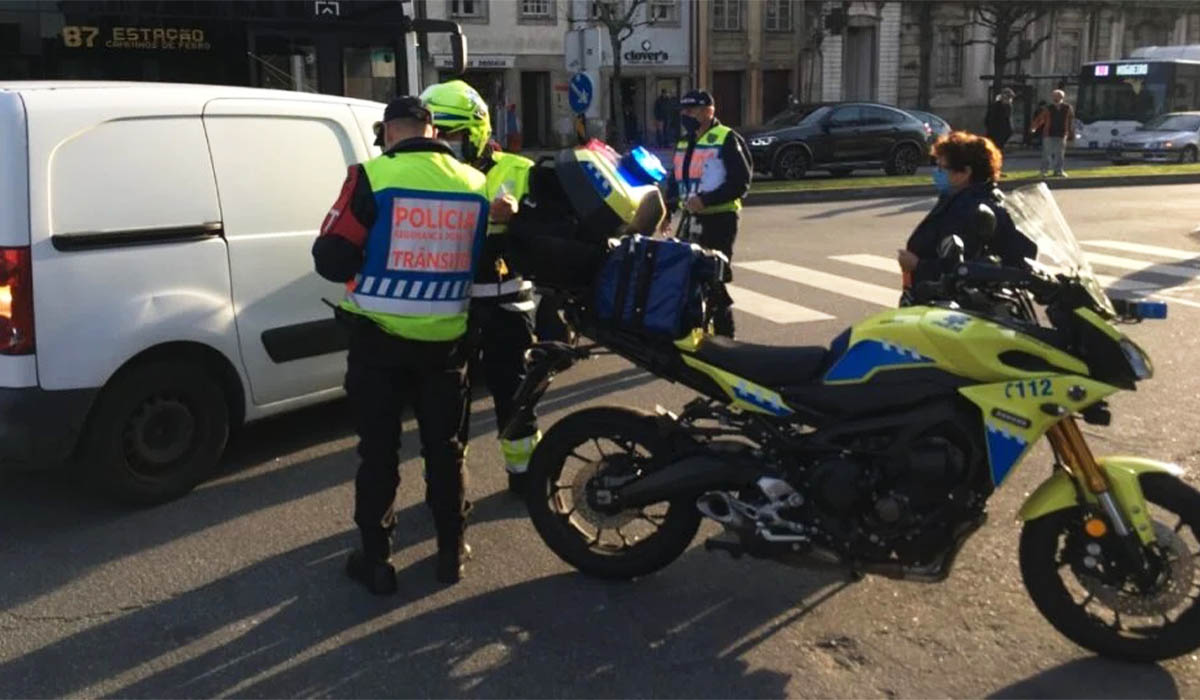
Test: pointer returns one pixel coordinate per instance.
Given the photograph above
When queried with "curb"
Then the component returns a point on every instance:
(901, 191)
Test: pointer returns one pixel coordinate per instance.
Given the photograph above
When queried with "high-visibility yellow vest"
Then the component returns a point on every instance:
(706, 162)
(511, 172)
(420, 254)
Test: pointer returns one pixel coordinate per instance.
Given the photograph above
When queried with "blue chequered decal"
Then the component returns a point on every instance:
(867, 355)
(1004, 449)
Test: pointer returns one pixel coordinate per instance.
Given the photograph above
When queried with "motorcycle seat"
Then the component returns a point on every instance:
(768, 365)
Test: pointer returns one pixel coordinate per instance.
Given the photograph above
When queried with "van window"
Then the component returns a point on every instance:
(133, 174)
(277, 174)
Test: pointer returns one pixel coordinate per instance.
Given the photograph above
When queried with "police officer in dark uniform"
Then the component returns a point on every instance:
(711, 174)
(404, 235)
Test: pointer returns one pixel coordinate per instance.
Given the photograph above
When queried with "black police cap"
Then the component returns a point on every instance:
(697, 98)
(407, 107)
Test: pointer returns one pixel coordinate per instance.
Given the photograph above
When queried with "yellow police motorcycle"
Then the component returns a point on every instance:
(878, 454)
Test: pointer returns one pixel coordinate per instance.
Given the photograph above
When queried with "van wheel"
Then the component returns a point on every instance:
(156, 432)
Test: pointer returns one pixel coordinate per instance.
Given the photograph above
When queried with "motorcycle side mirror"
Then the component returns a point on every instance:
(950, 250)
(983, 224)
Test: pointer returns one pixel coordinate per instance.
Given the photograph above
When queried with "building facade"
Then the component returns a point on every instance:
(515, 60)
(942, 46)
(345, 47)
(748, 54)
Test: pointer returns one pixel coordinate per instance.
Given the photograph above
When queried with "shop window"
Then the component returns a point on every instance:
(778, 16)
(664, 11)
(284, 63)
(468, 9)
(1067, 54)
(137, 168)
(369, 72)
(727, 15)
(537, 9)
(948, 56)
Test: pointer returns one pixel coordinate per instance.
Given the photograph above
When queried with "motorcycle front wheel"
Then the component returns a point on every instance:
(1081, 586)
(579, 450)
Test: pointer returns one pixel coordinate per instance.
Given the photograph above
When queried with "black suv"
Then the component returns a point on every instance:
(840, 138)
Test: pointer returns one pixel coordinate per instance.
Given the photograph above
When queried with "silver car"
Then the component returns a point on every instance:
(1170, 138)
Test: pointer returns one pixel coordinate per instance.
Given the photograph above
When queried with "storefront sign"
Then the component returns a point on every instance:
(137, 38)
(478, 62)
(646, 55)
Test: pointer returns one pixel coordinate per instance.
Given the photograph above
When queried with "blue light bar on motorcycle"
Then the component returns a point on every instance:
(1151, 309)
(1140, 310)
(641, 167)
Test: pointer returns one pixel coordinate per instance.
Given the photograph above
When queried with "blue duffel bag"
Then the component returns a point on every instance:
(656, 286)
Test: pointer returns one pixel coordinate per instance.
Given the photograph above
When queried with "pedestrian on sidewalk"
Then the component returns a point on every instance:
(661, 106)
(999, 118)
(1056, 125)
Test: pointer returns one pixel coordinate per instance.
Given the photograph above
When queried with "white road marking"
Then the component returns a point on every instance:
(865, 291)
(875, 262)
(772, 309)
(1143, 249)
(1187, 273)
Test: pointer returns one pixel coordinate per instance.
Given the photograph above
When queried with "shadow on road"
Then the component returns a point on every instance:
(293, 625)
(51, 512)
(1094, 677)
(902, 206)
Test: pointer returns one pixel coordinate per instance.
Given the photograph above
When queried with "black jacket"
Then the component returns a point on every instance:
(951, 216)
(736, 158)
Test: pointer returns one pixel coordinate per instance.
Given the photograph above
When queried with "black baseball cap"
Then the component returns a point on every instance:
(407, 107)
(697, 98)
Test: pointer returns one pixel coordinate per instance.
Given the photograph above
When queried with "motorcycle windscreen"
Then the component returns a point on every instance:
(1037, 216)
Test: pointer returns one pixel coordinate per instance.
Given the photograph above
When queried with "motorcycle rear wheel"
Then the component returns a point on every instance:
(1118, 619)
(605, 441)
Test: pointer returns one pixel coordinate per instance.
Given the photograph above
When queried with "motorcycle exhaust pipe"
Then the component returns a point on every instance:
(716, 505)
(690, 475)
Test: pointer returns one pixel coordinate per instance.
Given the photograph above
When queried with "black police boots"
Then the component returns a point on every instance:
(451, 562)
(377, 575)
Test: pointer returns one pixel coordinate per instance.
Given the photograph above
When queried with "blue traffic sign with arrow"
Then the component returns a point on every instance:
(580, 93)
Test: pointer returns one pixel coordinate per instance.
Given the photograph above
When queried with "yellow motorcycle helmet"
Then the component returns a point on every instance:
(461, 115)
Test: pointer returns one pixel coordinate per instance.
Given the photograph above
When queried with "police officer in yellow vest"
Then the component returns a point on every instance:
(502, 303)
(404, 237)
(711, 175)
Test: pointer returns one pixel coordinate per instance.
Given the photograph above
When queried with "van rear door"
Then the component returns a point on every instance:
(18, 365)
(279, 166)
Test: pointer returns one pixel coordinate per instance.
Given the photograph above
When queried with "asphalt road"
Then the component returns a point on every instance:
(237, 589)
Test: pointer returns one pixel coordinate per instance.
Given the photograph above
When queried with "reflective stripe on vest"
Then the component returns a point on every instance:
(512, 286)
(421, 251)
(705, 156)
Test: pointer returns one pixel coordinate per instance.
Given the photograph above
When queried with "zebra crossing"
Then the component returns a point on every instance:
(1126, 269)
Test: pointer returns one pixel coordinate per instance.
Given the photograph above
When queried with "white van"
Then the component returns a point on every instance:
(156, 282)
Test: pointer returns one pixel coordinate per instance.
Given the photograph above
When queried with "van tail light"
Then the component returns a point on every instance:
(16, 302)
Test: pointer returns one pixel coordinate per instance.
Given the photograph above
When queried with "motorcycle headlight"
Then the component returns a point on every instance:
(1138, 360)
(763, 140)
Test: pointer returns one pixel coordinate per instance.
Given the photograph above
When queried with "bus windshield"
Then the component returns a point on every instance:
(1137, 99)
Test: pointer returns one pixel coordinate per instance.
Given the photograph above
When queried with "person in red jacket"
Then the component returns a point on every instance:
(1056, 124)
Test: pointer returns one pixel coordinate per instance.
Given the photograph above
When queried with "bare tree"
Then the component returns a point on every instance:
(619, 17)
(1007, 25)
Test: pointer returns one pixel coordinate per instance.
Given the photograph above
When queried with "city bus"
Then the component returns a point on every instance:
(1116, 97)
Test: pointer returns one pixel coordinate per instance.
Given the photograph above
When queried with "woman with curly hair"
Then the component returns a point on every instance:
(968, 167)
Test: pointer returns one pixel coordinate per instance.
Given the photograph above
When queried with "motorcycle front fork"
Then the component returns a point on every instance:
(1072, 451)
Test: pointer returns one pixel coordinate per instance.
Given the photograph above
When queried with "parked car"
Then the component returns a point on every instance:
(157, 276)
(1168, 138)
(935, 126)
(840, 138)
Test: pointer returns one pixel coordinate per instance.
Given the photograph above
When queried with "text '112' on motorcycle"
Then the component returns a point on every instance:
(878, 454)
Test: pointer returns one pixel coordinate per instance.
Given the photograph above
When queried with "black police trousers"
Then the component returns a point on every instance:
(384, 374)
(717, 232)
(498, 340)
